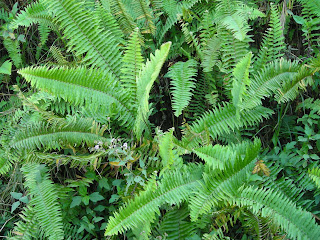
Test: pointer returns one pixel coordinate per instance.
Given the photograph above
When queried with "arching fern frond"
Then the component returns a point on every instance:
(81, 86)
(42, 135)
(220, 185)
(182, 75)
(174, 188)
(34, 13)
(85, 35)
(223, 119)
(13, 48)
(144, 13)
(297, 223)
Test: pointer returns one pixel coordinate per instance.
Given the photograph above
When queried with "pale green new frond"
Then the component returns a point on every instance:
(241, 80)
(311, 104)
(42, 135)
(273, 42)
(174, 188)
(34, 13)
(314, 174)
(147, 76)
(79, 86)
(223, 119)
(237, 24)
(297, 223)
(44, 200)
(85, 36)
(132, 64)
(220, 185)
(182, 75)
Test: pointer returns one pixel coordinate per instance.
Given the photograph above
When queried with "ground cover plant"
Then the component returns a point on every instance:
(146, 119)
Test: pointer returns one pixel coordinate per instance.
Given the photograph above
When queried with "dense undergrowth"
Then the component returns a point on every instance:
(160, 119)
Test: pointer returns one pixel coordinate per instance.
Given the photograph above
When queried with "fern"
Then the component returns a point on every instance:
(145, 14)
(82, 86)
(145, 80)
(86, 36)
(13, 48)
(122, 15)
(273, 42)
(314, 174)
(297, 223)
(223, 120)
(241, 81)
(41, 135)
(44, 200)
(173, 189)
(223, 184)
(132, 64)
(34, 13)
(182, 75)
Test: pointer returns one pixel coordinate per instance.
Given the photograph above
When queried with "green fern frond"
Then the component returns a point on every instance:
(109, 22)
(34, 13)
(58, 56)
(132, 64)
(311, 104)
(223, 119)
(92, 87)
(175, 224)
(273, 42)
(182, 75)
(44, 200)
(220, 185)
(42, 135)
(311, 6)
(269, 81)
(123, 17)
(174, 188)
(211, 54)
(13, 48)
(241, 81)
(144, 13)
(85, 35)
(297, 223)
(215, 156)
(145, 80)
(314, 174)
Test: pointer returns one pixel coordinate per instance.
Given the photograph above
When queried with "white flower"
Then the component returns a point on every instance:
(96, 147)
(125, 146)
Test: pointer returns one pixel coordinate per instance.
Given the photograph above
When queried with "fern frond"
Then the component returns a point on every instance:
(144, 13)
(81, 86)
(182, 75)
(297, 223)
(223, 119)
(44, 200)
(42, 135)
(174, 188)
(273, 42)
(132, 64)
(211, 54)
(123, 17)
(311, 104)
(13, 48)
(314, 174)
(223, 184)
(58, 56)
(175, 225)
(109, 22)
(147, 76)
(241, 81)
(85, 35)
(34, 13)
(269, 80)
